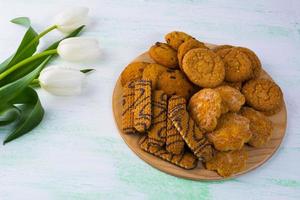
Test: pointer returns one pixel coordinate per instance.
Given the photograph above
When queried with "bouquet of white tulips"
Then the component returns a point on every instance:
(25, 69)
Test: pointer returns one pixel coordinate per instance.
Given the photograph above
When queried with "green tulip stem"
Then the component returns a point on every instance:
(26, 61)
(36, 39)
(41, 35)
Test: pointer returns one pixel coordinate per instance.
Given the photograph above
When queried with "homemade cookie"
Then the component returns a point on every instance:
(205, 108)
(232, 132)
(142, 105)
(238, 67)
(255, 62)
(128, 108)
(185, 160)
(221, 47)
(174, 141)
(263, 95)
(260, 126)
(186, 46)
(164, 54)
(228, 163)
(203, 67)
(174, 82)
(133, 72)
(157, 133)
(232, 99)
(153, 72)
(188, 129)
(236, 85)
(176, 38)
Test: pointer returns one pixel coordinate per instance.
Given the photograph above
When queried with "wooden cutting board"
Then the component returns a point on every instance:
(257, 156)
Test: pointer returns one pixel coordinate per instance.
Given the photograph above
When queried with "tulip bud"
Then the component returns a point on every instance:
(79, 49)
(62, 81)
(70, 19)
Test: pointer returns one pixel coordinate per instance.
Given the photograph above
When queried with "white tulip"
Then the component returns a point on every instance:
(62, 81)
(79, 49)
(70, 19)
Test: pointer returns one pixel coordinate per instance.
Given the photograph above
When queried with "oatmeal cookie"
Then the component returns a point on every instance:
(238, 67)
(164, 54)
(205, 108)
(133, 72)
(174, 82)
(263, 95)
(236, 85)
(186, 46)
(203, 67)
(176, 38)
(232, 99)
(255, 62)
(260, 126)
(153, 72)
(228, 163)
(232, 132)
(221, 47)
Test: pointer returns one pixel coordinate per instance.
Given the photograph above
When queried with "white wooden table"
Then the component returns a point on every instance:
(77, 153)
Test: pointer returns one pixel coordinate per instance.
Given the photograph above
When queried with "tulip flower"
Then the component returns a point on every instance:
(70, 19)
(61, 81)
(70, 49)
(79, 49)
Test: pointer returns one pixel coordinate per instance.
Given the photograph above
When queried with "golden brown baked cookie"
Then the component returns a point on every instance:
(236, 85)
(186, 46)
(185, 160)
(188, 129)
(128, 108)
(221, 47)
(157, 132)
(263, 95)
(174, 141)
(176, 38)
(260, 126)
(231, 133)
(238, 67)
(203, 67)
(255, 62)
(153, 72)
(205, 108)
(142, 105)
(174, 82)
(164, 54)
(228, 163)
(133, 72)
(232, 99)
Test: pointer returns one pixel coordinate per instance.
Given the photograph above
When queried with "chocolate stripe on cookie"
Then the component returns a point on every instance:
(187, 128)
(185, 160)
(157, 133)
(142, 107)
(174, 141)
(128, 108)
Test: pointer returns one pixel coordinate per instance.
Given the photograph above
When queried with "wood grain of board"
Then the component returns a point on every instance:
(257, 156)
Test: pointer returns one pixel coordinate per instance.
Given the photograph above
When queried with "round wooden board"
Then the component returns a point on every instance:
(257, 156)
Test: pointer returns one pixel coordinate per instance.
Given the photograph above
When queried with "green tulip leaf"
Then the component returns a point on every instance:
(26, 49)
(23, 21)
(31, 66)
(85, 71)
(9, 115)
(31, 114)
(11, 90)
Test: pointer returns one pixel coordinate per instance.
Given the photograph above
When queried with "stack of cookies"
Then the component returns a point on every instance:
(196, 103)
